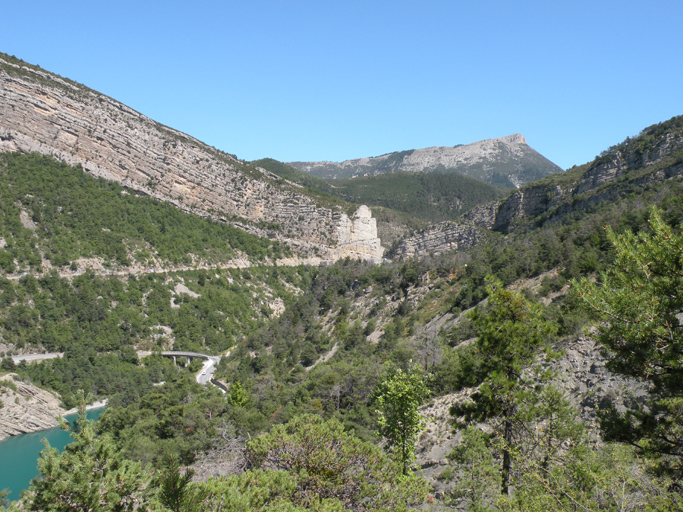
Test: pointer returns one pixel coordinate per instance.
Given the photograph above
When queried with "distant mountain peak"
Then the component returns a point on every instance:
(505, 161)
(515, 138)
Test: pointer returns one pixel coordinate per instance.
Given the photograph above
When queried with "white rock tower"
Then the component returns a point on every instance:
(357, 237)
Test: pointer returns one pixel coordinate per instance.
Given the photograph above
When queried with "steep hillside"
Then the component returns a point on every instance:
(652, 160)
(504, 162)
(56, 216)
(400, 201)
(654, 156)
(45, 113)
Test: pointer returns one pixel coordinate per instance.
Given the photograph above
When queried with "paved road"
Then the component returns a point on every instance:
(180, 268)
(37, 357)
(203, 377)
(208, 369)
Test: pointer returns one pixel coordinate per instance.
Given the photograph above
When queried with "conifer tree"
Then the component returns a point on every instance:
(91, 474)
(639, 302)
(511, 332)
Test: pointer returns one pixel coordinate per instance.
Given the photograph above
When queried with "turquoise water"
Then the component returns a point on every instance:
(19, 455)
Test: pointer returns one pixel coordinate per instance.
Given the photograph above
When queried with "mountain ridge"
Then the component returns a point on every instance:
(42, 112)
(505, 161)
(654, 156)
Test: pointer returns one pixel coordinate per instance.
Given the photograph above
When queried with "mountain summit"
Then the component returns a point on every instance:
(505, 161)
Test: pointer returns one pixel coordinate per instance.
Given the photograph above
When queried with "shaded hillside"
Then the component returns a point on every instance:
(294, 175)
(433, 197)
(506, 162)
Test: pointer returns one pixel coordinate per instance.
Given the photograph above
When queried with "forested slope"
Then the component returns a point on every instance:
(351, 330)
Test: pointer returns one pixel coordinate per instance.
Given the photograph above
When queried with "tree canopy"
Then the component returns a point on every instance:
(639, 302)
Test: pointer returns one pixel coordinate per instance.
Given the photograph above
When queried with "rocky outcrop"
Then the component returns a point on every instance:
(45, 113)
(505, 161)
(630, 163)
(438, 239)
(655, 156)
(483, 216)
(26, 408)
(357, 237)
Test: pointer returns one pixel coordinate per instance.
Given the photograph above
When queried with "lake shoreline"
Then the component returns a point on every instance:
(95, 405)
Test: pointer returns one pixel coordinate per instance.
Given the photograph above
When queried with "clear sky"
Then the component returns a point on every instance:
(333, 80)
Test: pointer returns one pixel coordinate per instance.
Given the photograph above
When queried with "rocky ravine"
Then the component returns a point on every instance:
(505, 161)
(26, 408)
(42, 112)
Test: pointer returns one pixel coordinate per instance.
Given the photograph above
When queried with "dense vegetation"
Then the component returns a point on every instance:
(430, 197)
(355, 345)
(99, 321)
(58, 213)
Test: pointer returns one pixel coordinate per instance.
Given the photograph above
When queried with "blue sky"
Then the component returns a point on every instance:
(333, 80)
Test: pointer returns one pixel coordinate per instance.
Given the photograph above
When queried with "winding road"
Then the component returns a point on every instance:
(205, 376)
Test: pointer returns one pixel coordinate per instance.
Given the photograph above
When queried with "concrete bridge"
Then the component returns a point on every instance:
(209, 368)
(204, 377)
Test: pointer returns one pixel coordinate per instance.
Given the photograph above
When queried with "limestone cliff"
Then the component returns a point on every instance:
(654, 156)
(438, 239)
(26, 408)
(357, 237)
(42, 112)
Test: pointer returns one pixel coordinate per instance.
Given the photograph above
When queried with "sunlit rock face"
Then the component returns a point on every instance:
(42, 112)
(357, 237)
(438, 239)
(26, 408)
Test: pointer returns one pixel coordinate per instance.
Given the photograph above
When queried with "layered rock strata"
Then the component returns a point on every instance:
(438, 239)
(26, 408)
(45, 113)
(599, 182)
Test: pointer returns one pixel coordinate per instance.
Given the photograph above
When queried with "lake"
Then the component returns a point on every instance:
(19, 455)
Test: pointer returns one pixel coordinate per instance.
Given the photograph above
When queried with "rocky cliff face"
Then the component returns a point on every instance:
(648, 159)
(26, 408)
(506, 161)
(655, 156)
(45, 113)
(438, 239)
(357, 237)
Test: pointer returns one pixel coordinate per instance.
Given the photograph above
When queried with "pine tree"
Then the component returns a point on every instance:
(176, 490)
(639, 302)
(90, 474)
(511, 333)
